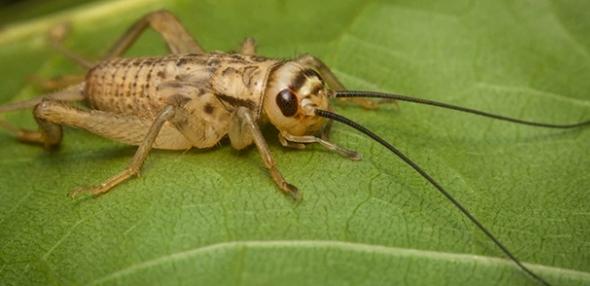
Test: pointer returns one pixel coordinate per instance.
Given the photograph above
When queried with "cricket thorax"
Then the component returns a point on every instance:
(143, 86)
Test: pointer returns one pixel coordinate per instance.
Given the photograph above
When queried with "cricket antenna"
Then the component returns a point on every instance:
(375, 94)
(342, 119)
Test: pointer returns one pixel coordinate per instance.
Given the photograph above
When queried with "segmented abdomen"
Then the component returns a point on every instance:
(130, 85)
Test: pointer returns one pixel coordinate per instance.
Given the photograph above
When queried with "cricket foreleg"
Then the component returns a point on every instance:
(138, 159)
(177, 38)
(248, 47)
(288, 140)
(248, 128)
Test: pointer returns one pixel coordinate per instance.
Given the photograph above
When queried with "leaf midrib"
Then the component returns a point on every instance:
(483, 261)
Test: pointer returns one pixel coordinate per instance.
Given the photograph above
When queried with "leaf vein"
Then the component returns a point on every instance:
(339, 245)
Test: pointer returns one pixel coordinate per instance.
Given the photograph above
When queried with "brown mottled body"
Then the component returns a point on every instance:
(187, 99)
(206, 86)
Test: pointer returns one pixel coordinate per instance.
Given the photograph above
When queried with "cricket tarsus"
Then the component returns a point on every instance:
(431, 180)
(375, 94)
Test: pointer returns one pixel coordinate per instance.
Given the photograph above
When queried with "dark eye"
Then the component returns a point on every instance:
(287, 102)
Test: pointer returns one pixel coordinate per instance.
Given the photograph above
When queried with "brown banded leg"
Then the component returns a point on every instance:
(245, 118)
(124, 128)
(177, 38)
(49, 134)
(138, 159)
(288, 140)
(248, 47)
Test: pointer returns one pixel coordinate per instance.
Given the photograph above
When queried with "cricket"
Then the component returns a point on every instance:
(192, 99)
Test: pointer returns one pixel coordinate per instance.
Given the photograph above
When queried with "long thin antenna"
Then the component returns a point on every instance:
(375, 94)
(342, 119)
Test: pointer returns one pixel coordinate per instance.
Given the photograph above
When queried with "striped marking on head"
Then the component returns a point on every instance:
(306, 82)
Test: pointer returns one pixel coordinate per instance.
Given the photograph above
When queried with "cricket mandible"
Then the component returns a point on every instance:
(193, 99)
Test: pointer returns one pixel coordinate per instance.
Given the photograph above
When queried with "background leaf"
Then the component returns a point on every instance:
(213, 217)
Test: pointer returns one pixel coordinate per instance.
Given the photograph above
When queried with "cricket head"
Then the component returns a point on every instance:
(292, 95)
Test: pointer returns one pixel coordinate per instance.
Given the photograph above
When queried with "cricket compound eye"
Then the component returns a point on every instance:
(287, 102)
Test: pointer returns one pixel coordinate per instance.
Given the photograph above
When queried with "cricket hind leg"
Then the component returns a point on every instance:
(49, 134)
(138, 159)
(177, 38)
(243, 132)
(127, 129)
(145, 133)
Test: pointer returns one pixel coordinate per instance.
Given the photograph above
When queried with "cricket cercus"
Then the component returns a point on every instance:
(192, 98)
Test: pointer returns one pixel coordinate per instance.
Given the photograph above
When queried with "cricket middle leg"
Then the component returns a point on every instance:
(245, 131)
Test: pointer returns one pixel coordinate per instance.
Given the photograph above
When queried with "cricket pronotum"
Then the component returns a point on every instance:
(192, 99)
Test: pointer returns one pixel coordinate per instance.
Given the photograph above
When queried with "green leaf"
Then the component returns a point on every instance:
(212, 217)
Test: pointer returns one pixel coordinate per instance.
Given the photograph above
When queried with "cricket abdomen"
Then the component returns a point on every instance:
(131, 85)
